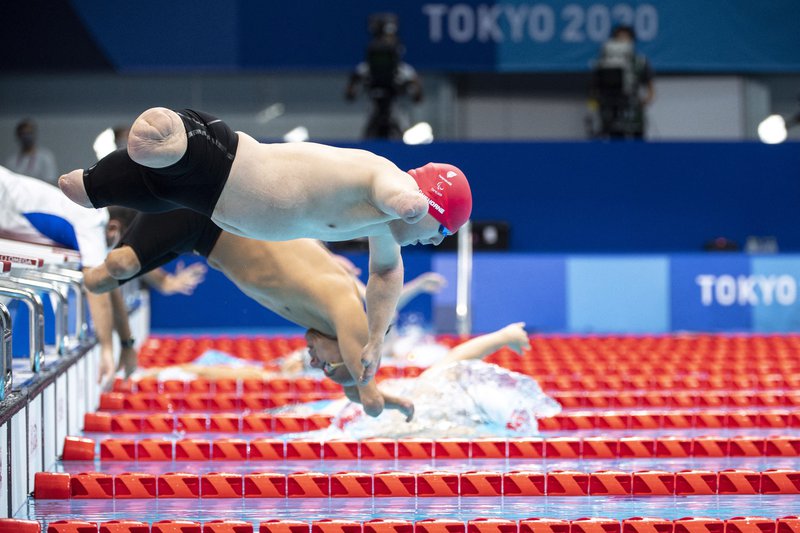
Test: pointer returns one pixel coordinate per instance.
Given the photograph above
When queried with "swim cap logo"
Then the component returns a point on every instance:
(432, 203)
(437, 190)
(436, 206)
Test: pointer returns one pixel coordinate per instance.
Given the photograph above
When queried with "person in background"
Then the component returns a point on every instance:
(622, 87)
(32, 160)
(34, 211)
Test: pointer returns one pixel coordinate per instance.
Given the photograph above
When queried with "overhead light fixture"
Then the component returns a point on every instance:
(772, 130)
(419, 133)
(297, 135)
(104, 144)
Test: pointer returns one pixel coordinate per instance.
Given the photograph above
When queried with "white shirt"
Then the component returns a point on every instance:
(31, 209)
(40, 164)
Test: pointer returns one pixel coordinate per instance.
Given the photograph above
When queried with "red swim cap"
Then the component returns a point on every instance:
(447, 191)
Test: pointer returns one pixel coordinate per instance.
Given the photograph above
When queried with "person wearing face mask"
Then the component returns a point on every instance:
(32, 160)
(622, 87)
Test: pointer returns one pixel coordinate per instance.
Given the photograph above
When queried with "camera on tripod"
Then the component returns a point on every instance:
(384, 77)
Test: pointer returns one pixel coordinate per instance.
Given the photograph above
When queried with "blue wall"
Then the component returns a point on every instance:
(625, 196)
(463, 35)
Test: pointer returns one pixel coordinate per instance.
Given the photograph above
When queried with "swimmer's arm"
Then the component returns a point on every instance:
(350, 325)
(123, 263)
(514, 336)
(120, 264)
(427, 283)
(216, 372)
(383, 290)
(101, 313)
(128, 357)
(397, 403)
(98, 280)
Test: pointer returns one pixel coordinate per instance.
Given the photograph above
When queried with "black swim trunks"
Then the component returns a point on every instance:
(195, 181)
(158, 238)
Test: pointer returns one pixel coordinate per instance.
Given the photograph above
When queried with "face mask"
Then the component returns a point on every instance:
(27, 140)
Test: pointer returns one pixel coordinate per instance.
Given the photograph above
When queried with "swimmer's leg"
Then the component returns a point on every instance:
(514, 336)
(157, 138)
(114, 180)
(71, 184)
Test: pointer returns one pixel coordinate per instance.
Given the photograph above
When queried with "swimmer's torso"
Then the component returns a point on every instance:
(297, 279)
(293, 190)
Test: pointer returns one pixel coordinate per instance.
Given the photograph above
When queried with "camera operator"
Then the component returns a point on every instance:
(622, 85)
(384, 77)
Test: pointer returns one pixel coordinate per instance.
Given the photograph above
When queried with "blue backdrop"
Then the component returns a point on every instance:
(625, 197)
(463, 35)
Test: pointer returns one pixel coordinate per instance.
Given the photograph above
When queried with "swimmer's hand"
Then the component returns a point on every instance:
(348, 265)
(185, 279)
(516, 338)
(431, 282)
(105, 372)
(371, 361)
(407, 408)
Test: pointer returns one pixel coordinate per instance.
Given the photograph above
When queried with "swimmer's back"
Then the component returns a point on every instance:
(291, 190)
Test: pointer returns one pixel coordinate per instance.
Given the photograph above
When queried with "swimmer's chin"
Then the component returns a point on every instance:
(410, 242)
(397, 233)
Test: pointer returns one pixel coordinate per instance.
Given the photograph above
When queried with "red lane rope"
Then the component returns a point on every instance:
(261, 449)
(95, 485)
(258, 401)
(568, 421)
(568, 382)
(739, 524)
